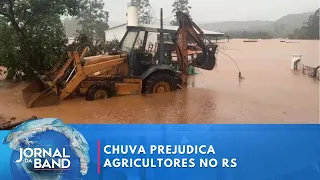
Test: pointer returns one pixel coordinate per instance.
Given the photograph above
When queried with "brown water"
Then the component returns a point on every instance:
(270, 93)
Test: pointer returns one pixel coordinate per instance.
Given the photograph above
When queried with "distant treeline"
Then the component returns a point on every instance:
(310, 29)
(249, 35)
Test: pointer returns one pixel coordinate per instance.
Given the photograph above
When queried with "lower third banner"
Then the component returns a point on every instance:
(49, 149)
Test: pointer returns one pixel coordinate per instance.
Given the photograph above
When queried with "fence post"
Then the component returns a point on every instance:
(295, 60)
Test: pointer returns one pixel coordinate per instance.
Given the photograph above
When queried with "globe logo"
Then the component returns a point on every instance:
(47, 149)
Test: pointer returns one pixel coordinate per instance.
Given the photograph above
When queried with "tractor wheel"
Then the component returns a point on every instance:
(97, 92)
(159, 83)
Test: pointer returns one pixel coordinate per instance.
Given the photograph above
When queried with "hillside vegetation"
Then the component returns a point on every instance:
(280, 28)
(309, 30)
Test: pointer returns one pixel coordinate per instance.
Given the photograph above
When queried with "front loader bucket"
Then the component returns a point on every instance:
(38, 93)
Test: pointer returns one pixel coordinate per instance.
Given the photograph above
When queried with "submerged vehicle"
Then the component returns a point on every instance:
(132, 68)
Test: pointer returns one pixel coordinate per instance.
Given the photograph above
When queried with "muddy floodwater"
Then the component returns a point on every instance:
(270, 92)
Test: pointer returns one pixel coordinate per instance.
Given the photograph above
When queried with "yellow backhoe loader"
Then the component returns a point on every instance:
(132, 68)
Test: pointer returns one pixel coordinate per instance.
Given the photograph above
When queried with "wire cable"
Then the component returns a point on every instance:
(163, 19)
(240, 75)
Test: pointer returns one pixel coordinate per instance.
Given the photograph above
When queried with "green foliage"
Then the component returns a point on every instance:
(146, 13)
(7, 48)
(93, 19)
(310, 29)
(82, 40)
(32, 35)
(180, 5)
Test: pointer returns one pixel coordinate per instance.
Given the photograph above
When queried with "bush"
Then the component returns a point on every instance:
(96, 47)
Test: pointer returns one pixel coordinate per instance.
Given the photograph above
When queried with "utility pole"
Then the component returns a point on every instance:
(161, 38)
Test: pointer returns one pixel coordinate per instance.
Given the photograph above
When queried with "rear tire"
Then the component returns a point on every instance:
(159, 83)
(97, 92)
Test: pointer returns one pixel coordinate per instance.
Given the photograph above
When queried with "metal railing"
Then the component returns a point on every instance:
(313, 72)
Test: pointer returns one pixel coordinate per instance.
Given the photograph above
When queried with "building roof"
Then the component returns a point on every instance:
(170, 27)
(120, 25)
(173, 28)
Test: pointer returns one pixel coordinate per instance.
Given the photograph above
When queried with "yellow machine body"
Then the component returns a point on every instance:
(48, 90)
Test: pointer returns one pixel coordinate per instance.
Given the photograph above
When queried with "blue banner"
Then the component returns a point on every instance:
(158, 152)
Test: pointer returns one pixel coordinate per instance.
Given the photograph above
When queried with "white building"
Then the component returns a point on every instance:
(70, 40)
(118, 32)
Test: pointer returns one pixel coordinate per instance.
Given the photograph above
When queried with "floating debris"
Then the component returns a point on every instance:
(250, 41)
(13, 122)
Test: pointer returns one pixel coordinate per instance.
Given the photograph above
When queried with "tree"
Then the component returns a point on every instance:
(180, 5)
(313, 26)
(32, 34)
(71, 26)
(82, 40)
(310, 29)
(94, 19)
(146, 13)
(147, 16)
(7, 48)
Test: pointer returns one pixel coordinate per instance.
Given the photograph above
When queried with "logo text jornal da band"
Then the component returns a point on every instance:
(42, 158)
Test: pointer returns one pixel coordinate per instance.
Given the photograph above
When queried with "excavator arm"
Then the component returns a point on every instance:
(189, 30)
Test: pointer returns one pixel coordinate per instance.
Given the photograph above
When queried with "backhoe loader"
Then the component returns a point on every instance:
(129, 69)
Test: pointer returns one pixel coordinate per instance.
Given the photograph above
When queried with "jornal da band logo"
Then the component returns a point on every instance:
(47, 149)
(45, 158)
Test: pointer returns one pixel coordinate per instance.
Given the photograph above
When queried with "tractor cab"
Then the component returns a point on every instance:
(143, 49)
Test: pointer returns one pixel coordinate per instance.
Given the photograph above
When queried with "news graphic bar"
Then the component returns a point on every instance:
(156, 152)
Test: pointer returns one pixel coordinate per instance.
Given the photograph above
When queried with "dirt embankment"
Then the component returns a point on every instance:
(1, 118)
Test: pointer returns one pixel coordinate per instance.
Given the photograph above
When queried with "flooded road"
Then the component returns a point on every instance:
(270, 93)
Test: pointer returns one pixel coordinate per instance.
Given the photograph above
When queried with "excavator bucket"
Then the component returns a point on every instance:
(40, 93)
(207, 59)
(187, 28)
